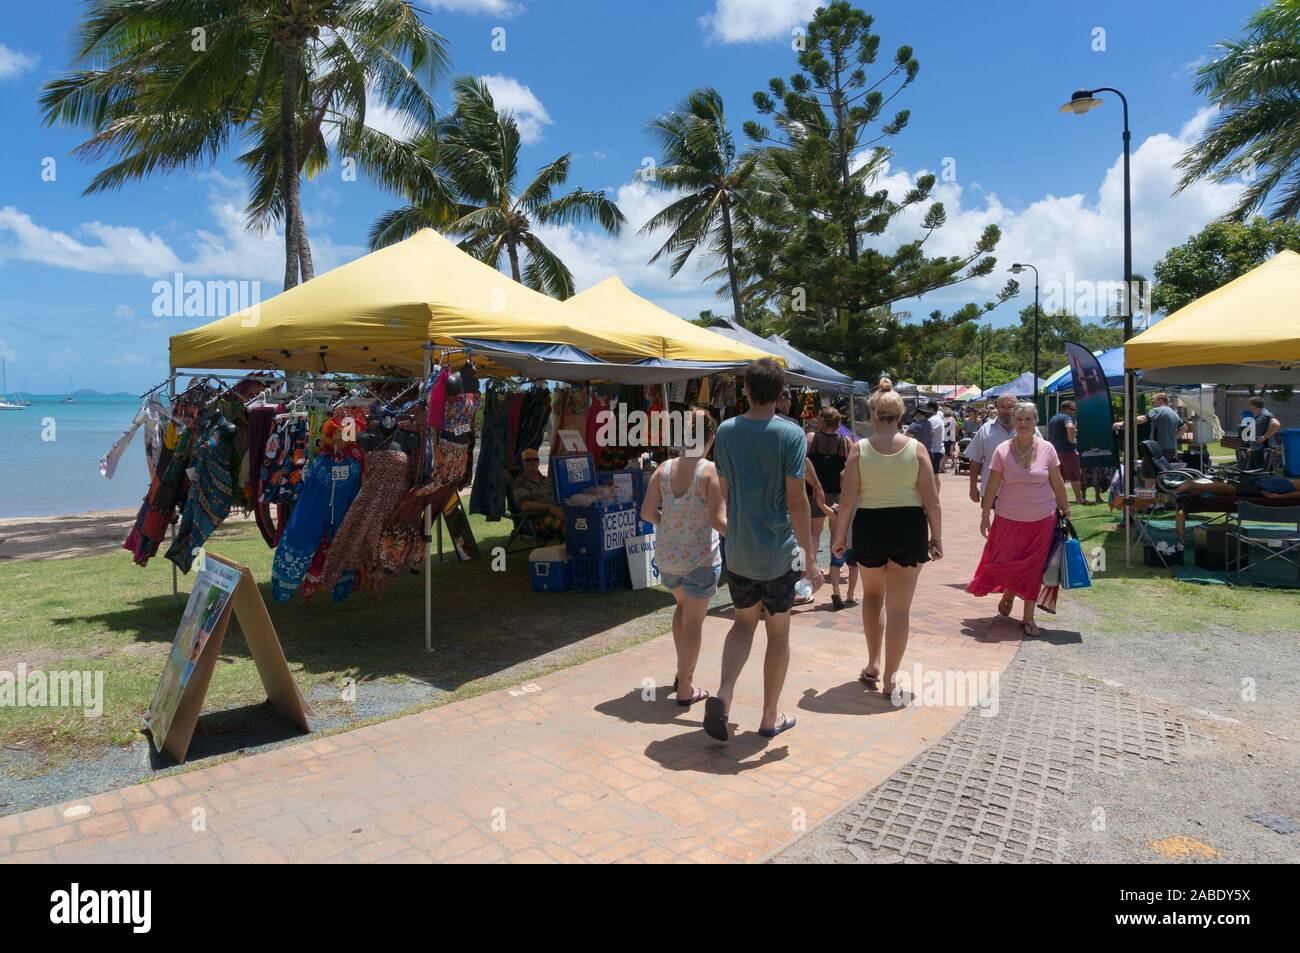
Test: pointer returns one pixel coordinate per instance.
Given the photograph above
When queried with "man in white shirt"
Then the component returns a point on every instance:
(936, 436)
(987, 439)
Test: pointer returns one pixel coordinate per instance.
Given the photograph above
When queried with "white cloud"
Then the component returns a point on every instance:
(228, 250)
(14, 62)
(129, 359)
(593, 255)
(749, 21)
(1071, 237)
(501, 8)
(6, 352)
(512, 96)
(110, 248)
(389, 120)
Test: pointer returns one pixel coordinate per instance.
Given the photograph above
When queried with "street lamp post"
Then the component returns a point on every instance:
(1081, 101)
(1016, 269)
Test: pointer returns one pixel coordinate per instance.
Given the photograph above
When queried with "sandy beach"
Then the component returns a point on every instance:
(27, 538)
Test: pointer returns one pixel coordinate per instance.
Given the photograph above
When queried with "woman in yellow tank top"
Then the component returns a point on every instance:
(888, 495)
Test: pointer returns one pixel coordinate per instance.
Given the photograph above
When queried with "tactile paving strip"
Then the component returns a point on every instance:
(978, 795)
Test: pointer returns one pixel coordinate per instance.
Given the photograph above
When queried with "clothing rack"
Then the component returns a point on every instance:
(432, 354)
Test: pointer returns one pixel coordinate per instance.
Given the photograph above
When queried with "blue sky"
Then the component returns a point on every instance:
(77, 273)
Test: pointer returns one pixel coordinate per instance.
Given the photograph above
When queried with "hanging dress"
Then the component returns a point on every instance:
(356, 545)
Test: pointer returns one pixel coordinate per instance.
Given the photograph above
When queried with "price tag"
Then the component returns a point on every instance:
(340, 472)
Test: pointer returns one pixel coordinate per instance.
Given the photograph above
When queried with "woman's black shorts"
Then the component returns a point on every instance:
(898, 534)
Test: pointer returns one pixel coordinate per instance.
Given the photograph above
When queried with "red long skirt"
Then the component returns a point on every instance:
(1014, 556)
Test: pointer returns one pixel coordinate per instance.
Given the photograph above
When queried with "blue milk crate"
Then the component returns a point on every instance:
(600, 529)
(572, 473)
(548, 569)
(599, 573)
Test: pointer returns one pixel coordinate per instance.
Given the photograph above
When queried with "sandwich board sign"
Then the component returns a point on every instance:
(221, 588)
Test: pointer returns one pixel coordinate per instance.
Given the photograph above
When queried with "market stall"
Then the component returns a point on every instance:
(1245, 332)
(380, 368)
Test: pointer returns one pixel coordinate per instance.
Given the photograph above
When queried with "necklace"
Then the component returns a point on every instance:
(1024, 459)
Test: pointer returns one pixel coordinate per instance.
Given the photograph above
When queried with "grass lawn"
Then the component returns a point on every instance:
(1128, 598)
(103, 612)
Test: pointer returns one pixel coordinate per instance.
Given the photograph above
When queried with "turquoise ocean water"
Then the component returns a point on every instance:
(41, 477)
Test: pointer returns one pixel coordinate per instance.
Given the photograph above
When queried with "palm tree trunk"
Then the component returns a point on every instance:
(304, 249)
(514, 258)
(731, 260)
(289, 53)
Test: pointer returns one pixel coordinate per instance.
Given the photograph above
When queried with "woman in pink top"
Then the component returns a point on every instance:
(1026, 490)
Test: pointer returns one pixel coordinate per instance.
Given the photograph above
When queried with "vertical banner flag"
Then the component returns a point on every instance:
(1093, 414)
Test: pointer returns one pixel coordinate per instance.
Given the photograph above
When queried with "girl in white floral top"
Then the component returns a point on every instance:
(684, 501)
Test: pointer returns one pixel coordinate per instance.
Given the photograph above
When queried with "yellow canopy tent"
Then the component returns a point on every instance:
(611, 306)
(375, 314)
(1247, 332)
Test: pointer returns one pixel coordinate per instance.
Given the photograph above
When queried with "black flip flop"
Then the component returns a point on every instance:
(871, 681)
(715, 720)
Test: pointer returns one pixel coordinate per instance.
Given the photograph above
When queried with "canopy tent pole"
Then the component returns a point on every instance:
(171, 404)
(428, 559)
(1127, 484)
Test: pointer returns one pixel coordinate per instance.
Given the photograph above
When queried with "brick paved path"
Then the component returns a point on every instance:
(578, 766)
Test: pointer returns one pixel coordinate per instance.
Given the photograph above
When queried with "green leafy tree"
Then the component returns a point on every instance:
(1255, 83)
(461, 179)
(806, 250)
(165, 85)
(1216, 255)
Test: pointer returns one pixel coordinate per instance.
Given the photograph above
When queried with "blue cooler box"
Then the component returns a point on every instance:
(572, 473)
(599, 530)
(549, 569)
(1291, 451)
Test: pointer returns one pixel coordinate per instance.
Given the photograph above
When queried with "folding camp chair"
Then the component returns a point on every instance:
(523, 522)
(1163, 479)
(1285, 548)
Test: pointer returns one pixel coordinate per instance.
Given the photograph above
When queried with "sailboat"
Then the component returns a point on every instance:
(7, 403)
(68, 399)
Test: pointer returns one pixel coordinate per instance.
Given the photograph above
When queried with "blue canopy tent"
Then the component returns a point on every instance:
(565, 362)
(1112, 365)
(800, 369)
(1022, 386)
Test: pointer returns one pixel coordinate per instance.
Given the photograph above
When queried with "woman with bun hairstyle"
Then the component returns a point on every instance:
(889, 499)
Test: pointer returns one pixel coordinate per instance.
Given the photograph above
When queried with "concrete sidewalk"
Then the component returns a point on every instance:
(592, 763)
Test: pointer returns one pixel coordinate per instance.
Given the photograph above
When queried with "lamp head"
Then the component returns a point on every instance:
(1081, 100)
(1016, 269)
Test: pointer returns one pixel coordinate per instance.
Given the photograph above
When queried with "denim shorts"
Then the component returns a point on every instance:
(699, 583)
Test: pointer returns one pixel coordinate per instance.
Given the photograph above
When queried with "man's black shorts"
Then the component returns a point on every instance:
(777, 594)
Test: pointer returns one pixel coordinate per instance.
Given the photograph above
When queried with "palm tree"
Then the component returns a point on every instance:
(460, 179)
(1256, 85)
(169, 83)
(700, 160)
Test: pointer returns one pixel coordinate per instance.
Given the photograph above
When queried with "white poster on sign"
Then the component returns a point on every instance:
(571, 441)
(643, 570)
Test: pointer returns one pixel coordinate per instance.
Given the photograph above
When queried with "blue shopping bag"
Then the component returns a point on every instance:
(1074, 565)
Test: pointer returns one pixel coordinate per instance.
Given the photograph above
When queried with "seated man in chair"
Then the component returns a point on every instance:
(535, 496)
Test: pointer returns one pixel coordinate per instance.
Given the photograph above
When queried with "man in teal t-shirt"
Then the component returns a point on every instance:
(760, 458)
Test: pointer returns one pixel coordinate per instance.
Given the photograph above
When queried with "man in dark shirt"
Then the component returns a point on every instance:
(1266, 428)
(1063, 436)
(1165, 424)
(920, 428)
